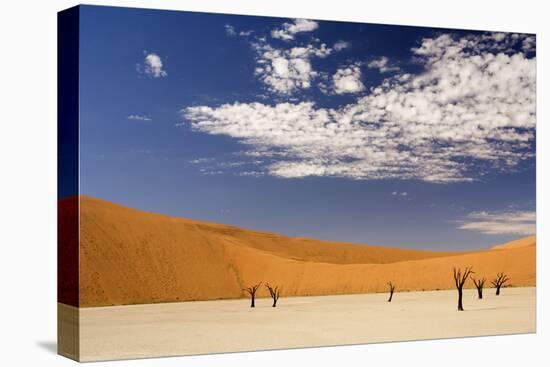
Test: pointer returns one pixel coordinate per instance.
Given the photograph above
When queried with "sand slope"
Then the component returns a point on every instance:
(128, 257)
(522, 242)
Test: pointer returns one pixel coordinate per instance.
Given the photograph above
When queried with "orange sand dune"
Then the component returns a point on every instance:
(522, 242)
(128, 256)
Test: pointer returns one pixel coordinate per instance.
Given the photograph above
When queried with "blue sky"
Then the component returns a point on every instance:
(391, 135)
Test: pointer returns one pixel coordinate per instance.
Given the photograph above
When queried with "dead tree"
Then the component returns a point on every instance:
(392, 288)
(479, 285)
(499, 281)
(274, 292)
(460, 278)
(252, 291)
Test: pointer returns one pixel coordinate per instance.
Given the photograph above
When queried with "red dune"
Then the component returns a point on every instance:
(530, 241)
(129, 256)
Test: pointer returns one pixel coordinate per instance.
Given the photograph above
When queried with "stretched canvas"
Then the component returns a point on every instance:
(236, 183)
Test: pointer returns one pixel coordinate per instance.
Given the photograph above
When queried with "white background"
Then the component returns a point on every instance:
(28, 181)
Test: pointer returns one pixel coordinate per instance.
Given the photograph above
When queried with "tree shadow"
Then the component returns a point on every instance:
(48, 345)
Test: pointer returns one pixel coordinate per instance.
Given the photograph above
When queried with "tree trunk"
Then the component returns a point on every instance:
(274, 303)
(252, 302)
(460, 300)
(480, 293)
(498, 291)
(391, 296)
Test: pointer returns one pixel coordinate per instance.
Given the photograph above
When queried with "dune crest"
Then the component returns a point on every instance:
(129, 256)
(522, 242)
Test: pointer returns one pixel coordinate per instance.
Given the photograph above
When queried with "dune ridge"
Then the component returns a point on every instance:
(522, 242)
(129, 256)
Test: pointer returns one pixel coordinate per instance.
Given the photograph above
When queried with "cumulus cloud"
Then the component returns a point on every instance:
(471, 110)
(341, 45)
(511, 222)
(288, 30)
(245, 33)
(139, 118)
(348, 80)
(529, 44)
(153, 66)
(230, 30)
(284, 71)
(382, 64)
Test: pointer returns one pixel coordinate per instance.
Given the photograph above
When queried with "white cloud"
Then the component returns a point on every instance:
(288, 30)
(472, 110)
(285, 71)
(206, 171)
(511, 222)
(251, 173)
(201, 160)
(230, 30)
(348, 80)
(139, 118)
(228, 165)
(382, 64)
(153, 66)
(398, 193)
(529, 44)
(341, 45)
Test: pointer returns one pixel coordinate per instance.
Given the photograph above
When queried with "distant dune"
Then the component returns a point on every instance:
(129, 256)
(530, 241)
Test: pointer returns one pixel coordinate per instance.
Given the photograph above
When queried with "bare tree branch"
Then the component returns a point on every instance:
(460, 278)
(479, 283)
(252, 292)
(274, 292)
(500, 281)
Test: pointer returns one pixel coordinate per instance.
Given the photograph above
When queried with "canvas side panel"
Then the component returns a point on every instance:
(68, 182)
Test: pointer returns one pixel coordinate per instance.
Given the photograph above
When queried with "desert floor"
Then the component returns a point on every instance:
(231, 325)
